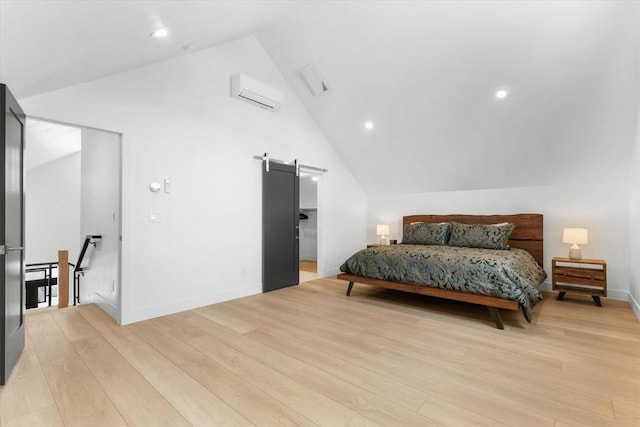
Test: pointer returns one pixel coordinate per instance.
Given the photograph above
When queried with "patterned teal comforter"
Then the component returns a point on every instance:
(510, 274)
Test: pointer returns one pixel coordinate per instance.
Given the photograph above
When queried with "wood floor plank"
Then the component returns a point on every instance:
(73, 325)
(159, 333)
(509, 367)
(362, 376)
(451, 414)
(627, 412)
(361, 421)
(281, 361)
(368, 405)
(254, 404)
(136, 400)
(108, 417)
(47, 416)
(116, 335)
(309, 265)
(233, 323)
(198, 405)
(77, 393)
(309, 355)
(316, 406)
(28, 389)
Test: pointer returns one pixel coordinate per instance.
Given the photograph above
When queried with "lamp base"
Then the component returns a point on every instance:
(575, 253)
(383, 241)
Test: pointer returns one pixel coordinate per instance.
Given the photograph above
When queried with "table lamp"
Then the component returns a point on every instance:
(575, 236)
(382, 230)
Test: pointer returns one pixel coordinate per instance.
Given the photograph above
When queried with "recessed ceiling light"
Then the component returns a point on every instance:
(501, 94)
(160, 33)
(368, 125)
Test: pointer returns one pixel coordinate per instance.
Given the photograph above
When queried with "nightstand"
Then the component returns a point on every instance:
(582, 276)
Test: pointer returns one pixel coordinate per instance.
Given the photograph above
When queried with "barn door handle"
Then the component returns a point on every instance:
(9, 248)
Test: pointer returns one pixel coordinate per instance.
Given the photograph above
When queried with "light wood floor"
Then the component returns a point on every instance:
(308, 271)
(309, 355)
(309, 265)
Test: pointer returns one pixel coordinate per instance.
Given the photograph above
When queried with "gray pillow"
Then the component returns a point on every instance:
(426, 233)
(481, 235)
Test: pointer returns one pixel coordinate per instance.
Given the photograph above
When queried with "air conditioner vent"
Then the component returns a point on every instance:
(254, 92)
(313, 78)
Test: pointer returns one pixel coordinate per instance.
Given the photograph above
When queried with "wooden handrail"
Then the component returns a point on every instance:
(63, 279)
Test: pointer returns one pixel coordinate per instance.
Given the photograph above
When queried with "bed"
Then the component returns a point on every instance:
(507, 278)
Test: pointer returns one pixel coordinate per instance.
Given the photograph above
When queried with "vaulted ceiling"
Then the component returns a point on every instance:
(46, 45)
(50, 141)
(424, 73)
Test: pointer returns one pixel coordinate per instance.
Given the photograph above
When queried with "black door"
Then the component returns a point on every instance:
(280, 223)
(11, 233)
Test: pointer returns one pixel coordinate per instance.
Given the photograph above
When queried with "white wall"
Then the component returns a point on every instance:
(634, 194)
(309, 236)
(309, 227)
(100, 215)
(634, 226)
(309, 191)
(178, 122)
(52, 213)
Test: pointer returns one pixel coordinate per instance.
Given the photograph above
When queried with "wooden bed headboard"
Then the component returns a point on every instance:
(527, 235)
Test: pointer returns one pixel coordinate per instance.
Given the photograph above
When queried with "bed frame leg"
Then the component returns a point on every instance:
(495, 316)
(349, 288)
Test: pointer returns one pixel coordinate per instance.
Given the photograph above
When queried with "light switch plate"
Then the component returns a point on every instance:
(167, 186)
(154, 216)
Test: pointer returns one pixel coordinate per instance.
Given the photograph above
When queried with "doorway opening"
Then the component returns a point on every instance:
(308, 227)
(73, 189)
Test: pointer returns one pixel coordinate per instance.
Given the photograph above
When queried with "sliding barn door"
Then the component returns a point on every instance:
(280, 226)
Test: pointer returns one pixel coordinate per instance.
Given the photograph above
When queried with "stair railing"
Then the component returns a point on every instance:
(78, 270)
(47, 282)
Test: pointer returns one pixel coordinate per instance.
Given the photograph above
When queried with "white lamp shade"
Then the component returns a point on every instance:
(382, 230)
(578, 236)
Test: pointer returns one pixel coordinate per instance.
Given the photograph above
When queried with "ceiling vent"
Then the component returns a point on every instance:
(313, 78)
(254, 92)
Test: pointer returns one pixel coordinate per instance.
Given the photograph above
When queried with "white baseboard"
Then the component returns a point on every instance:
(614, 294)
(635, 306)
(328, 272)
(107, 306)
(618, 295)
(150, 312)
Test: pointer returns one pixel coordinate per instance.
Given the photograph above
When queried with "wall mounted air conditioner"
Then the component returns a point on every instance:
(254, 92)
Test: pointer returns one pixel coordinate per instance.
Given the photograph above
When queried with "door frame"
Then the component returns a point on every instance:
(322, 227)
(120, 204)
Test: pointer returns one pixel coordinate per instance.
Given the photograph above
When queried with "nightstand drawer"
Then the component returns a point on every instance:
(582, 276)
